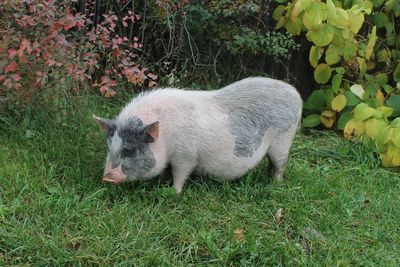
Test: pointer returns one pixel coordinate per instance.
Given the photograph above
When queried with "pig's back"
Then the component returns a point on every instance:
(264, 101)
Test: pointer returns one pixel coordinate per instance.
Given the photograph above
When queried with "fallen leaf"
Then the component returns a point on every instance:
(73, 245)
(239, 234)
(306, 246)
(366, 203)
(278, 215)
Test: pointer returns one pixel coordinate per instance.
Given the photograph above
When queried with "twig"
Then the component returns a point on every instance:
(144, 22)
(133, 12)
(97, 13)
(120, 24)
(127, 3)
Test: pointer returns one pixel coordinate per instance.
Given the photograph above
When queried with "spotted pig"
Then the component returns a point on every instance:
(223, 133)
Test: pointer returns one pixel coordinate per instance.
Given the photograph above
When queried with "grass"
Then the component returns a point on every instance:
(339, 206)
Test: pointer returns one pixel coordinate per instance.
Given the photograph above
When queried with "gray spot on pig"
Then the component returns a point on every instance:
(135, 154)
(250, 114)
(141, 163)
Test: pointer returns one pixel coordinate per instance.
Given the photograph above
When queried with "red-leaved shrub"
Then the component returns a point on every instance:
(49, 44)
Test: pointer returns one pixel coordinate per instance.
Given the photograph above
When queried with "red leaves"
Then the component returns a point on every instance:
(26, 21)
(152, 76)
(12, 53)
(106, 85)
(16, 77)
(110, 19)
(25, 44)
(46, 46)
(91, 36)
(104, 40)
(13, 66)
(74, 21)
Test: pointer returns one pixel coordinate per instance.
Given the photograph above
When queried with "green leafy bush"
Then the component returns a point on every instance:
(214, 40)
(356, 57)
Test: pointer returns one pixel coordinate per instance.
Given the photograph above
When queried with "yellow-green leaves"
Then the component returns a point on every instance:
(343, 119)
(341, 20)
(395, 123)
(396, 137)
(358, 90)
(374, 126)
(330, 9)
(333, 54)
(362, 112)
(300, 6)
(362, 65)
(371, 44)
(328, 118)
(293, 25)
(391, 157)
(354, 128)
(278, 12)
(315, 55)
(336, 82)
(321, 35)
(343, 59)
(386, 111)
(322, 73)
(314, 16)
(356, 19)
(396, 73)
(339, 102)
(350, 49)
(384, 136)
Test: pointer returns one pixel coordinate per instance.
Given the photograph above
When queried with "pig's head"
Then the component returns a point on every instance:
(129, 156)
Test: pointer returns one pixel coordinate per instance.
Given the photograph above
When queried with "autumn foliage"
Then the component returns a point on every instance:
(49, 44)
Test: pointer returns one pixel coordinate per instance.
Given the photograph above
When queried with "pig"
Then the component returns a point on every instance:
(222, 133)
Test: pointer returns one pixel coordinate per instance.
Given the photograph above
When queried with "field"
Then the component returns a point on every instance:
(337, 206)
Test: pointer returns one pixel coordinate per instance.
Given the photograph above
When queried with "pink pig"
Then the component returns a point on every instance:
(223, 133)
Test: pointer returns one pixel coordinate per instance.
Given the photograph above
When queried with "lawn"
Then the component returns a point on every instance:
(338, 206)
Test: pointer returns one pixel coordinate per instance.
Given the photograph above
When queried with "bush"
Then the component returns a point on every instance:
(213, 41)
(49, 49)
(356, 58)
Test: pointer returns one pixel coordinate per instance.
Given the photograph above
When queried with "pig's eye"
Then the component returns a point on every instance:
(128, 152)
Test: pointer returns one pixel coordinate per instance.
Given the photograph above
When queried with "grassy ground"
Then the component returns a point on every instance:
(339, 207)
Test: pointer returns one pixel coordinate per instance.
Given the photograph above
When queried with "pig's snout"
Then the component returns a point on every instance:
(108, 178)
(115, 176)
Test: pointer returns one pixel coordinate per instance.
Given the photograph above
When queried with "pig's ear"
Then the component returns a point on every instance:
(105, 124)
(151, 132)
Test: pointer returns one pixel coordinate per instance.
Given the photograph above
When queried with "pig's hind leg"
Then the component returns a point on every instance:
(277, 154)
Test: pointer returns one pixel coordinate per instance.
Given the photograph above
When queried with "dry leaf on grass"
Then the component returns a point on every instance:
(366, 203)
(239, 234)
(278, 215)
(306, 246)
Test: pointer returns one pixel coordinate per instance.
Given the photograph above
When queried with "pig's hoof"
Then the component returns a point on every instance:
(178, 191)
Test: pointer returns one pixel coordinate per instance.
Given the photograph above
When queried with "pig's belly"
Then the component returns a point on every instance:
(223, 163)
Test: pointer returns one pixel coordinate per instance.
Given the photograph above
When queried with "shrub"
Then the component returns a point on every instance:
(356, 58)
(213, 41)
(48, 44)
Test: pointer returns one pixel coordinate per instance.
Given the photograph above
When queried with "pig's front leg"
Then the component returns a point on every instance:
(180, 173)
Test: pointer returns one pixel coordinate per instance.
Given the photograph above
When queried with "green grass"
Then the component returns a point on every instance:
(55, 211)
